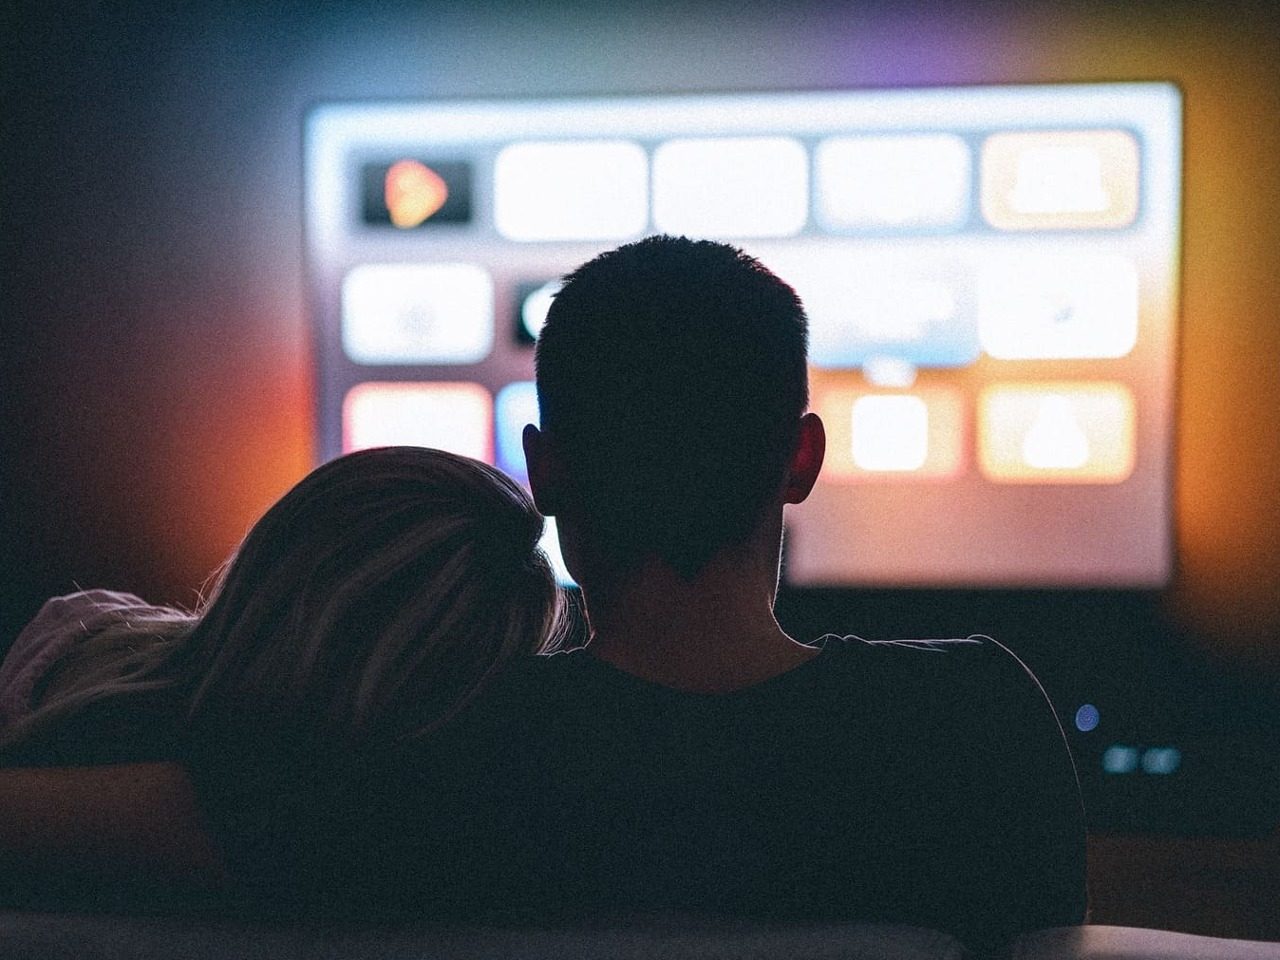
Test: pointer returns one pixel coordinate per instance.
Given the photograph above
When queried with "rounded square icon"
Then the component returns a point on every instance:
(1058, 307)
(892, 183)
(411, 193)
(533, 300)
(875, 435)
(416, 313)
(1056, 432)
(1060, 180)
(731, 187)
(515, 407)
(571, 190)
(457, 417)
(890, 433)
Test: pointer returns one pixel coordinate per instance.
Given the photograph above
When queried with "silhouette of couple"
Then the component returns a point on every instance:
(355, 719)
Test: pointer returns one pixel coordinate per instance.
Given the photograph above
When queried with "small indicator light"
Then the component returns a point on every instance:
(1161, 760)
(1087, 718)
(1120, 759)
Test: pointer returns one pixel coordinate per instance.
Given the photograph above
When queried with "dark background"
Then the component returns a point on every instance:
(156, 371)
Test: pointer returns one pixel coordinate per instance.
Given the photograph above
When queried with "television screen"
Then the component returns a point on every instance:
(990, 273)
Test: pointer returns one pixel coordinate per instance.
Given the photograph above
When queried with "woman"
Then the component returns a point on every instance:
(365, 611)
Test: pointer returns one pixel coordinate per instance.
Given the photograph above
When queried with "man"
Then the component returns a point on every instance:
(694, 757)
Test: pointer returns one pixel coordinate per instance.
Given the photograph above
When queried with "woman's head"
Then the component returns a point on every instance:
(375, 599)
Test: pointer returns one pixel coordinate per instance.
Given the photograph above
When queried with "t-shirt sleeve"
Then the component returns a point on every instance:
(1009, 799)
(947, 793)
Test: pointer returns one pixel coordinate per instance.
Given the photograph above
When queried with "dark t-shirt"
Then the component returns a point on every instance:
(913, 782)
(922, 783)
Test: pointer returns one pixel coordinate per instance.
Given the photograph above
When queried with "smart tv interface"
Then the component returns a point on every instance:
(990, 275)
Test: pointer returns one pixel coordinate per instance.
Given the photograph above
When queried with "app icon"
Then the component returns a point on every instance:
(872, 309)
(890, 433)
(1065, 307)
(515, 407)
(871, 184)
(411, 193)
(731, 187)
(879, 435)
(533, 300)
(1060, 180)
(417, 313)
(1056, 432)
(457, 417)
(571, 190)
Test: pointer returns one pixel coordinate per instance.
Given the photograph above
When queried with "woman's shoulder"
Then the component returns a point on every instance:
(59, 625)
(73, 607)
(80, 612)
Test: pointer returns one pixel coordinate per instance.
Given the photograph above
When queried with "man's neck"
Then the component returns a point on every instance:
(712, 634)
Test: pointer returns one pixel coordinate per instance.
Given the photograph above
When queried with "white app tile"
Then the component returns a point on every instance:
(917, 181)
(1056, 179)
(410, 313)
(1056, 432)
(874, 309)
(890, 433)
(457, 417)
(1067, 307)
(571, 190)
(731, 187)
(1060, 179)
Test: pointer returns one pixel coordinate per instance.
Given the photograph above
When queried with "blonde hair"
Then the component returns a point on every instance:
(368, 606)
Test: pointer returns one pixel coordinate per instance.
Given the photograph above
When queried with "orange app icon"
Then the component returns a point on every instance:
(1060, 180)
(457, 417)
(887, 435)
(413, 192)
(1056, 432)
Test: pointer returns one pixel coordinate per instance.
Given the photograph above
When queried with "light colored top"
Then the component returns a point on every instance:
(60, 623)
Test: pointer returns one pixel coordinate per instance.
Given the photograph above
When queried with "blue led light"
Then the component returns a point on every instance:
(1120, 759)
(1087, 717)
(1161, 760)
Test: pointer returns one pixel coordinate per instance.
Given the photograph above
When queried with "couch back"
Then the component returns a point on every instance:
(65, 936)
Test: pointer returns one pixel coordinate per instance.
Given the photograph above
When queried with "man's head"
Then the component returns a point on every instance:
(671, 384)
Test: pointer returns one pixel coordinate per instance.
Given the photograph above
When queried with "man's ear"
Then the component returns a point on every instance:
(544, 469)
(806, 462)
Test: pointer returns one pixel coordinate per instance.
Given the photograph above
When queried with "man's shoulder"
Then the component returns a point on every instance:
(954, 651)
(841, 659)
(935, 688)
(851, 684)
(958, 662)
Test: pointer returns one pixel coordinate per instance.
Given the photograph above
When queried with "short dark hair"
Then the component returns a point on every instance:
(672, 377)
